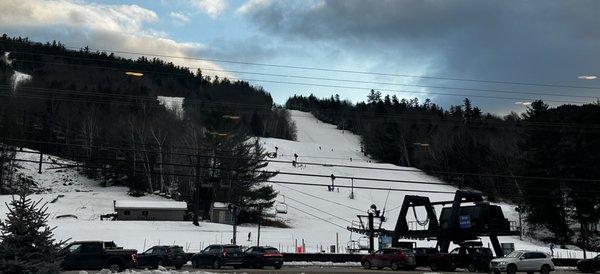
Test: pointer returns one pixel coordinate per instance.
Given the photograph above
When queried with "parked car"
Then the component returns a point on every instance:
(96, 255)
(423, 255)
(523, 261)
(216, 256)
(261, 256)
(394, 258)
(589, 265)
(471, 257)
(162, 255)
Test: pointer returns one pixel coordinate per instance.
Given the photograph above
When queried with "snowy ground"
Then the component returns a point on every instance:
(307, 205)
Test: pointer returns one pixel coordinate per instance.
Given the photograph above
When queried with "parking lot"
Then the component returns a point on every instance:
(312, 269)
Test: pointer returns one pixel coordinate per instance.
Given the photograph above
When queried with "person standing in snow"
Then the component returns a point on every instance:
(551, 245)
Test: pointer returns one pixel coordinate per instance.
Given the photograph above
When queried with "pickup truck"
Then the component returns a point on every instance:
(474, 259)
(96, 255)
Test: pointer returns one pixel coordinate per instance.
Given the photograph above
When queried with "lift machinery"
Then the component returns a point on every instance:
(468, 218)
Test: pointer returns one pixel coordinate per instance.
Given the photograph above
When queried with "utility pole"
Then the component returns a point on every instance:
(584, 227)
(41, 159)
(371, 234)
(259, 217)
(197, 192)
(519, 210)
(235, 210)
(352, 189)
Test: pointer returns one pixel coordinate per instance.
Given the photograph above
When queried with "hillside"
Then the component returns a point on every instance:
(539, 158)
(87, 200)
(83, 102)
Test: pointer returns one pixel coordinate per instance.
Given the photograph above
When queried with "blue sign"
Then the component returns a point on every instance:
(385, 241)
(465, 221)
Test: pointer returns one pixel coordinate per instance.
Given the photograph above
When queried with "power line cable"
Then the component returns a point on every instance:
(323, 199)
(342, 186)
(313, 78)
(323, 164)
(277, 172)
(329, 69)
(315, 216)
(263, 108)
(318, 209)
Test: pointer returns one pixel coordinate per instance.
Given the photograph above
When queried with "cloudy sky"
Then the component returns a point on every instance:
(504, 51)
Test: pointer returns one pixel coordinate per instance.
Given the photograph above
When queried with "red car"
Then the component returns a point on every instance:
(261, 256)
(394, 258)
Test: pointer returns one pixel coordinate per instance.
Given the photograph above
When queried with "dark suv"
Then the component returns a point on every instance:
(261, 256)
(162, 255)
(216, 256)
(471, 257)
(394, 258)
(589, 265)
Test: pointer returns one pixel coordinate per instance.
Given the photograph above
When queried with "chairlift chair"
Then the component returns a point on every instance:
(363, 243)
(281, 207)
(353, 246)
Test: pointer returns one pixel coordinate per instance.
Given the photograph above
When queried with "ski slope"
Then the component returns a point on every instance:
(317, 216)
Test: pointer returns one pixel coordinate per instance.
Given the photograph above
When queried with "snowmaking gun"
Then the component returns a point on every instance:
(468, 218)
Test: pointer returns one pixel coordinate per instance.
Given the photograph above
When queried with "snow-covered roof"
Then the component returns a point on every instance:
(151, 204)
(220, 205)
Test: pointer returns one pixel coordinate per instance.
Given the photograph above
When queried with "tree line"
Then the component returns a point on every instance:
(539, 159)
(81, 105)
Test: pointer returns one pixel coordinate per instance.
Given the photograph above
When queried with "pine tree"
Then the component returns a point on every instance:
(27, 244)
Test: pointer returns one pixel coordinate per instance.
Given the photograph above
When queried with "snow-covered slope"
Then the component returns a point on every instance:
(316, 215)
(322, 143)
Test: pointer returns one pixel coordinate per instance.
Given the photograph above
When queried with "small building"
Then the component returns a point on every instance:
(150, 210)
(219, 213)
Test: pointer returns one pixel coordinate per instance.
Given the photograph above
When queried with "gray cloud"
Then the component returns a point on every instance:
(112, 27)
(533, 41)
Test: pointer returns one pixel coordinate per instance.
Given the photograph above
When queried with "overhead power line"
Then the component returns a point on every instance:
(216, 60)
(318, 209)
(314, 163)
(407, 91)
(315, 216)
(120, 99)
(419, 191)
(278, 172)
(270, 181)
(323, 199)
(307, 78)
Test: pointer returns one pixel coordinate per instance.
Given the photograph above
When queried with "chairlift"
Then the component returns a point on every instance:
(281, 207)
(363, 243)
(353, 246)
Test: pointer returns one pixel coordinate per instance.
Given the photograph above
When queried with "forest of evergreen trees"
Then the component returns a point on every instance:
(544, 160)
(81, 105)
